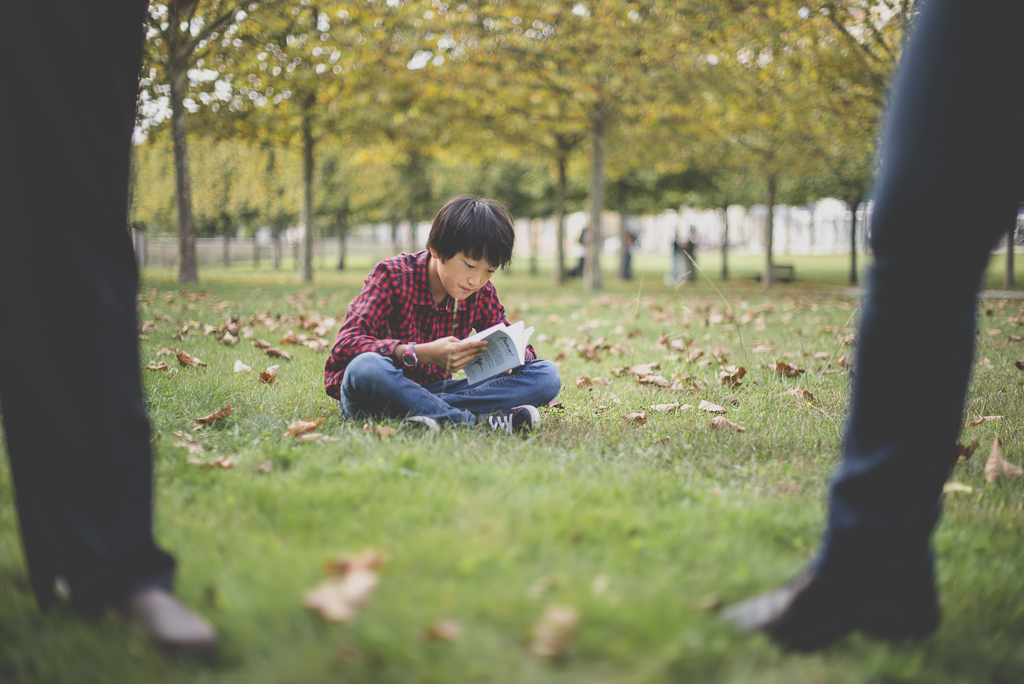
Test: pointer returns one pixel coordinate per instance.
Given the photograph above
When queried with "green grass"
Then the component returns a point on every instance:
(490, 530)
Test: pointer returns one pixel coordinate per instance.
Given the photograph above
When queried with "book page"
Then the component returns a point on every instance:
(506, 349)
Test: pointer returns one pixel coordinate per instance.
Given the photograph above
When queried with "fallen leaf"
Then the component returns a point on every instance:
(301, 427)
(147, 326)
(705, 405)
(274, 351)
(653, 380)
(352, 584)
(800, 393)
(985, 362)
(602, 382)
(821, 355)
(584, 381)
(665, 408)
(731, 375)
(783, 368)
(762, 349)
(339, 600)
(262, 344)
(642, 369)
(310, 437)
(292, 338)
(266, 467)
(185, 359)
(210, 329)
(965, 452)
(694, 355)
(162, 366)
(722, 422)
(997, 467)
(383, 432)
(993, 332)
(552, 634)
(950, 487)
(270, 375)
(219, 414)
(185, 441)
(241, 367)
(638, 418)
(983, 419)
(443, 630)
(556, 404)
(165, 352)
(228, 339)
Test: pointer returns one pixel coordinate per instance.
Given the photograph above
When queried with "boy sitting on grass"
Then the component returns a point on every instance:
(403, 336)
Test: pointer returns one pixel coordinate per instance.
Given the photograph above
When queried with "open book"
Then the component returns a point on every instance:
(506, 349)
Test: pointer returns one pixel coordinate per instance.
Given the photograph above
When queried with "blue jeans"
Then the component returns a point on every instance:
(948, 189)
(373, 386)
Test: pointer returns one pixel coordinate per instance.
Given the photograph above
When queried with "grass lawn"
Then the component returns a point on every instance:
(642, 529)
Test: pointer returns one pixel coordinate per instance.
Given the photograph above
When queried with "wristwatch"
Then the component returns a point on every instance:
(409, 359)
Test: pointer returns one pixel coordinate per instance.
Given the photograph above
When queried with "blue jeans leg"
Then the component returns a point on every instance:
(536, 384)
(372, 386)
(948, 189)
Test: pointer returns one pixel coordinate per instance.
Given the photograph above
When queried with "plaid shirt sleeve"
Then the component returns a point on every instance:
(365, 328)
(490, 312)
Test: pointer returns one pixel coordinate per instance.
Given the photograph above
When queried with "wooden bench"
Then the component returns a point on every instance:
(783, 273)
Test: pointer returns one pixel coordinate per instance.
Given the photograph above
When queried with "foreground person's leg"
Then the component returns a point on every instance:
(83, 477)
(947, 191)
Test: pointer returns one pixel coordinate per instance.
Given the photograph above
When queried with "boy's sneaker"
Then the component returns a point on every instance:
(421, 424)
(520, 419)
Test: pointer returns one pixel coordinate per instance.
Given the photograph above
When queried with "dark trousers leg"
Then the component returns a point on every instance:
(70, 389)
(949, 187)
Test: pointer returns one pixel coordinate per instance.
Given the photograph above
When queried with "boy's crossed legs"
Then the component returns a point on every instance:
(373, 386)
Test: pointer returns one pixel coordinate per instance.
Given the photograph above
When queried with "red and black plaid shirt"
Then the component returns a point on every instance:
(395, 307)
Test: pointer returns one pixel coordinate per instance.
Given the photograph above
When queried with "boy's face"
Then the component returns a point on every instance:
(461, 276)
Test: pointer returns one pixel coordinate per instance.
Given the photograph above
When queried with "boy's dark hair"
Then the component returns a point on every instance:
(481, 228)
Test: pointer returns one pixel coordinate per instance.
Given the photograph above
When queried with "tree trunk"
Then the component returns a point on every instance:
(276, 255)
(1008, 280)
(853, 240)
(534, 232)
(624, 233)
(307, 205)
(394, 236)
(188, 271)
(768, 279)
(592, 280)
(725, 241)
(227, 242)
(560, 218)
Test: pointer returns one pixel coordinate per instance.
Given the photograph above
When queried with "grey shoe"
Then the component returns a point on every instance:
(421, 423)
(170, 624)
(520, 419)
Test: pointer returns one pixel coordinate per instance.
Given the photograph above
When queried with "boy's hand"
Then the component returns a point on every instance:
(451, 352)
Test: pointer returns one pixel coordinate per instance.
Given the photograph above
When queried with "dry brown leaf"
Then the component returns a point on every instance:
(241, 367)
(262, 344)
(443, 630)
(552, 634)
(185, 359)
(219, 414)
(228, 339)
(274, 351)
(556, 404)
(965, 452)
(642, 369)
(270, 375)
(339, 600)
(292, 338)
(584, 381)
(619, 371)
(383, 432)
(722, 422)
(783, 368)
(705, 405)
(983, 419)
(147, 326)
(694, 355)
(997, 467)
(310, 437)
(731, 375)
(162, 366)
(185, 441)
(762, 349)
(800, 393)
(653, 380)
(301, 427)
(665, 408)
(165, 352)
(210, 329)
(638, 418)
(266, 467)
(602, 382)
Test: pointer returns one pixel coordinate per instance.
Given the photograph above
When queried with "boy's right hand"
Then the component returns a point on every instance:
(451, 352)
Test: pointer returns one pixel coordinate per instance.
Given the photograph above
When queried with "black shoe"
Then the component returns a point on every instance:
(809, 613)
(520, 419)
